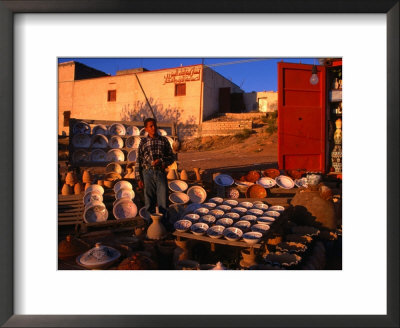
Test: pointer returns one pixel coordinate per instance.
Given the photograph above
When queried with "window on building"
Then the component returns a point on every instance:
(67, 115)
(180, 89)
(112, 95)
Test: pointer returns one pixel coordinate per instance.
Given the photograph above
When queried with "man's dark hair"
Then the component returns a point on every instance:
(150, 119)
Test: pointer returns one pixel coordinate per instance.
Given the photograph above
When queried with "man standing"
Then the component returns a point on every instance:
(154, 155)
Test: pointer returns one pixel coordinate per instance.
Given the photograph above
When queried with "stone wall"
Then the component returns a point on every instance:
(222, 128)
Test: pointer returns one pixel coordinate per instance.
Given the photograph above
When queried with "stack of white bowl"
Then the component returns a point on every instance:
(95, 209)
(123, 206)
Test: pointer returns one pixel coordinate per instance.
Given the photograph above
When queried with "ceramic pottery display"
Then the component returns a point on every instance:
(66, 190)
(224, 180)
(117, 129)
(86, 177)
(99, 141)
(99, 257)
(232, 192)
(171, 175)
(95, 211)
(100, 129)
(132, 130)
(125, 209)
(197, 194)
(114, 167)
(115, 155)
(133, 142)
(156, 230)
(116, 142)
(271, 173)
(177, 185)
(256, 191)
(78, 188)
(122, 185)
(81, 127)
(71, 178)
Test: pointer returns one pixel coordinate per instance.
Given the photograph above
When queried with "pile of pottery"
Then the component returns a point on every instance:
(123, 206)
(181, 193)
(95, 209)
(230, 219)
(72, 184)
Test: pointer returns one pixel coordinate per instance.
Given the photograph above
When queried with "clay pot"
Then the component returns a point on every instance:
(197, 172)
(128, 173)
(87, 185)
(108, 184)
(184, 175)
(78, 188)
(252, 176)
(156, 230)
(100, 182)
(70, 248)
(66, 190)
(171, 175)
(86, 177)
(71, 178)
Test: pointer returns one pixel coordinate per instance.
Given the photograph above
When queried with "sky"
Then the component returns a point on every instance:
(251, 74)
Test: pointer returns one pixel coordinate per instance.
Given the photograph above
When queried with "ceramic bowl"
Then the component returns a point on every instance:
(197, 194)
(179, 198)
(233, 233)
(112, 176)
(201, 211)
(284, 182)
(98, 155)
(81, 140)
(232, 215)
(255, 211)
(265, 220)
(81, 127)
(95, 212)
(217, 213)
(208, 219)
(92, 196)
(266, 182)
(182, 225)
(274, 214)
(226, 222)
(230, 202)
(215, 231)
(80, 156)
(133, 142)
(243, 225)
(114, 167)
(296, 174)
(199, 228)
(224, 180)
(240, 210)
(120, 200)
(194, 218)
(177, 186)
(100, 129)
(225, 208)
(132, 155)
(249, 217)
(210, 205)
(260, 206)
(252, 237)
(125, 192)
(117, 129)
(99, 257)
(125, 210)
(256, 191)
(277, 208)
(115, 155)
(122, 185)
(313, 178)
(252, 176)
(132, 130)
(99, 141)
(216, 200)
(95, 187)
(246, 204)
(260, 227)
(271, 173)
(116, 142)
(301, 183)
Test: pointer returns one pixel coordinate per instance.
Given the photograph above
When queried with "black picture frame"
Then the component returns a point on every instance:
(11, 7)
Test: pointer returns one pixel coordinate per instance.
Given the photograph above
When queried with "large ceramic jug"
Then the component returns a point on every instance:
(156, 230)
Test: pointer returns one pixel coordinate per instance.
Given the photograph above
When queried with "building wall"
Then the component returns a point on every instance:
(252, 101)
(212, 82)
(87, 99)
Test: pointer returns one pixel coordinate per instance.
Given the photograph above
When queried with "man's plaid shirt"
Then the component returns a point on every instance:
(149, 149)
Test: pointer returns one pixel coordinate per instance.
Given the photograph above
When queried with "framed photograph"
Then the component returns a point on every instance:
(35, 34)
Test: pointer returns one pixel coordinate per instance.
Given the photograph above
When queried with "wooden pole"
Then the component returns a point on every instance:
(148, 103)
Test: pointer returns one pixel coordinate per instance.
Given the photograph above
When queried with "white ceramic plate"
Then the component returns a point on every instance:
(125, 210)
(179, 198)
(177, 186)
(98, 155)
(80, 156)
(284, 182)
(266, 182)
(115, 155)
(117, 129)
(99, 141)
(210, 205)
(116, 142)
(133, 142)
(81, 127)
(100, 129)
(249, 217)
(201, 211)
(125, 192)
(132, 155)
(144, 214)
(95, 188)
(81, 140)
(122, 184)
(132, 130)
(197, 194)
(240, 210)
(266, 220)
(223, 180)
(92, 196)
(98, 257)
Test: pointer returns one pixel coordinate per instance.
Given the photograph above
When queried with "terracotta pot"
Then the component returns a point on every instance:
(197, 172)
(66, 190)
(78, 188)
(86, 177)
(128, 173)
(184, 175)
(156, 230)
(87, 185)
(70, 248)
(71, 178)
(100, 182)
(108, 184)
(171, 175)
